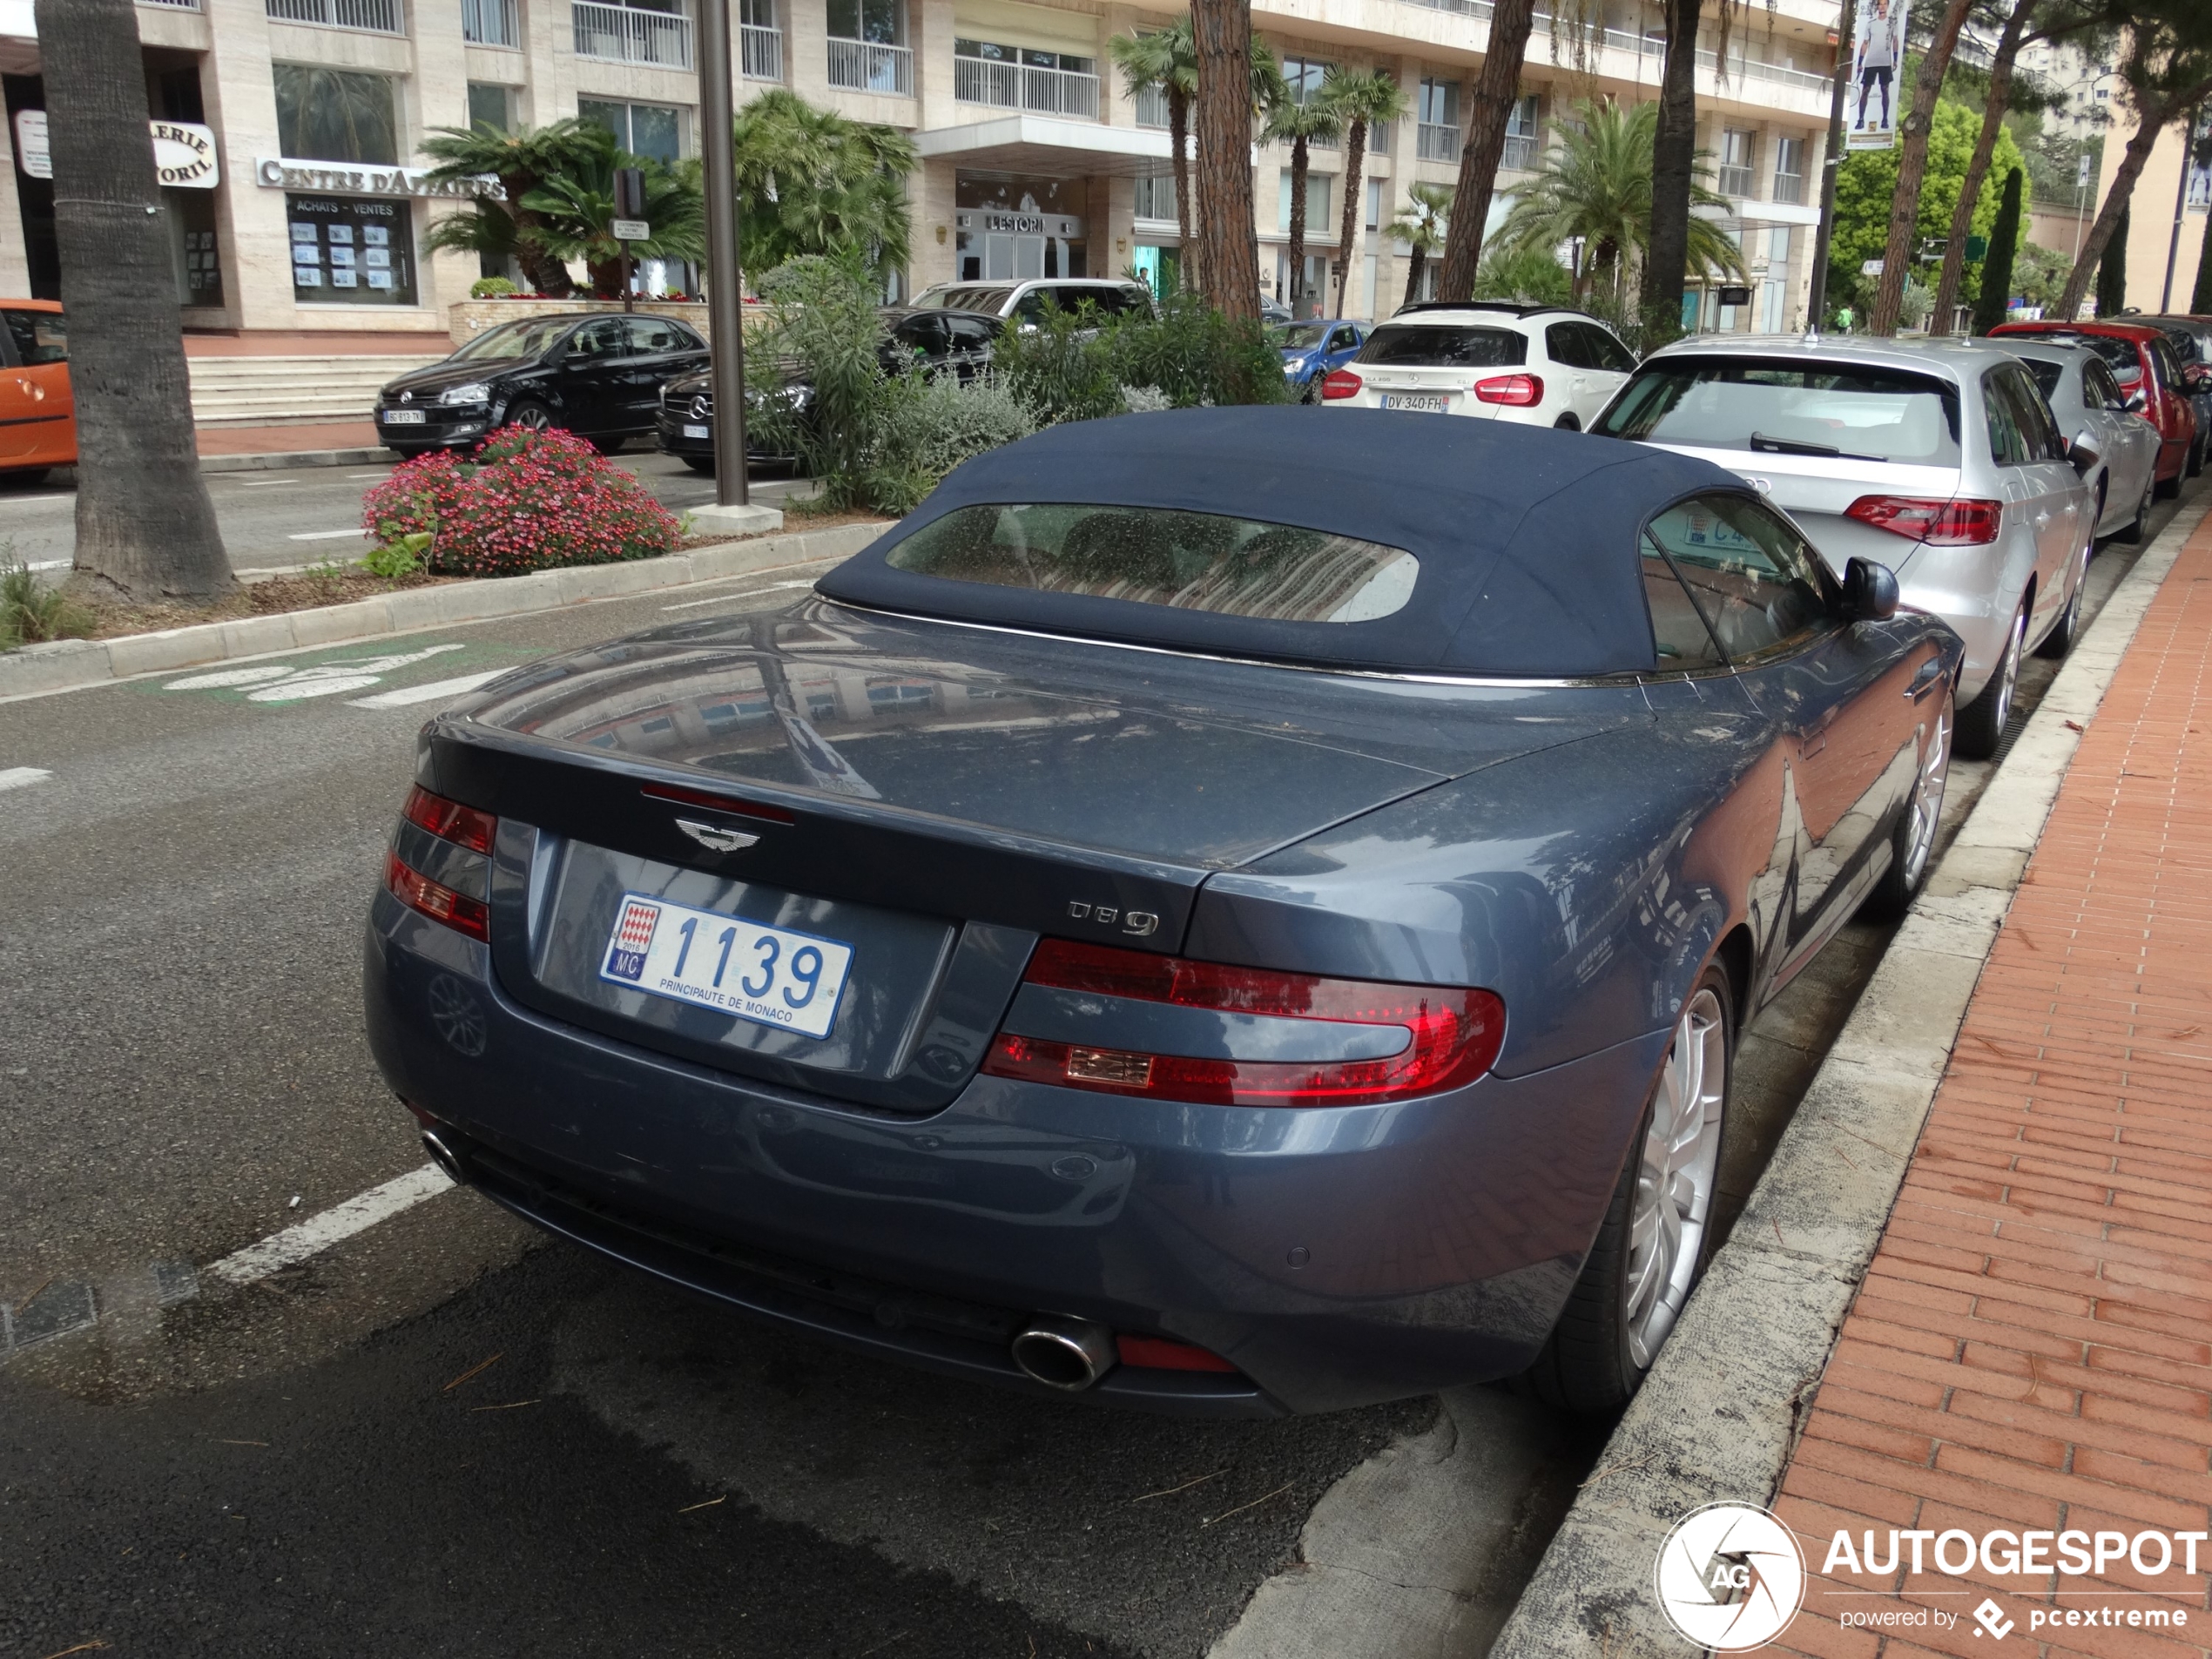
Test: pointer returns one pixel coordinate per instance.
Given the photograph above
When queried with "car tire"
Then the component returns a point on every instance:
(703, 465)
(1650, 1249)
(2167, 489)
(2139, 527)
(531, 413)
(1912, 852)
(2196, 456)
(1981, 722)
(2067, 628)
(28, 477)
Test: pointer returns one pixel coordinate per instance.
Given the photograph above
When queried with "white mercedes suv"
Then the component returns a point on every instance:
(1538, 365)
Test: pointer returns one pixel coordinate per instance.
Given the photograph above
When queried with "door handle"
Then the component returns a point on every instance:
(1926, 679)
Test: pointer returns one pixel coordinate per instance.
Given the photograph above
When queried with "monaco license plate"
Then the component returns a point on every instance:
(402, 417)
(770, 975)
(1424, 402)
(698, 431)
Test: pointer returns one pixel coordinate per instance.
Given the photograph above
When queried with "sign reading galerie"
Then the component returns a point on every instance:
(184, 151)
(341, 178)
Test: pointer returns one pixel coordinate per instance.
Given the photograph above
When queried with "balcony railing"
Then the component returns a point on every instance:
(760, 52)
(1790, 187)
(1654, 46)
(490, 23)
(1021, 86)
(1151, 107)
(1437, 142)
(864, 66)
(174, 5)
(1520, 151)
(1737, 181)
(630, 35)
(383, 16)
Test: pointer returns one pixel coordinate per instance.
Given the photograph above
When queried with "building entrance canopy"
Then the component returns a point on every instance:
(1025, 143)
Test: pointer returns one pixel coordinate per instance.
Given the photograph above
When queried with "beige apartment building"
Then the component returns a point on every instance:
(289, 133)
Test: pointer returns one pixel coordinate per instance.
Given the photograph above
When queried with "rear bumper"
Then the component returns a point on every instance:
(1435, 1241)
(668, 434)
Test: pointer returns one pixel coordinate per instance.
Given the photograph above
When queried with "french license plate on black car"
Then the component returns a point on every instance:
(402, 417)
(699, 432)
(770, 975)
(1425, 402)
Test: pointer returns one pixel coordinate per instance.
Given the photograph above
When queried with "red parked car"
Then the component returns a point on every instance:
(2144, 362)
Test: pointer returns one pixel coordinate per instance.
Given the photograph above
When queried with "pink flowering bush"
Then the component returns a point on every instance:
(529, 501)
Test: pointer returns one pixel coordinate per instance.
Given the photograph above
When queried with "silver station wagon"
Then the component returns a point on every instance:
(1941, 461)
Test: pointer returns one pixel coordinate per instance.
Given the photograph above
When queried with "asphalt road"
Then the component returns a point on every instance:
(280, 520)
(298, 1467)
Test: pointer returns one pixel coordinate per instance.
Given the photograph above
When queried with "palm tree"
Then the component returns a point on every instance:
(813, 181)
(1366, 98)
(522, 161)
(1424, 224)
(1298, 116)
(574, 214)
(1596, 190)
(1167, 59)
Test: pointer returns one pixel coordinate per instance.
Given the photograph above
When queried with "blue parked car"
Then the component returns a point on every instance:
(1312, 349)
(1237, 911)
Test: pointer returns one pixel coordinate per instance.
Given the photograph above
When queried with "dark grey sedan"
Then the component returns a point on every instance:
(1240, 911)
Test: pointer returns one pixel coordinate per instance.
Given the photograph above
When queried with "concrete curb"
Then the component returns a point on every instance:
(69, 665)
(278, 460)
(1718, 1415)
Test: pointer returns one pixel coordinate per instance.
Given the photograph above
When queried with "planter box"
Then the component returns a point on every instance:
(469, 318)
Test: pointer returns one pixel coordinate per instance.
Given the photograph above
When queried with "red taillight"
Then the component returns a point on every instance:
(720, 803)
(1514, 391)
(418, 892)
(1158, 1353)
(1452, 1033)
(1341, 382)
(450, 820)
(1964, 523)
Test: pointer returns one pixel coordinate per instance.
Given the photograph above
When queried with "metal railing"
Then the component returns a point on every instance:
(1737, 181)
(1790, 187)
(1021, 86)
(1520, 151)
(760, 52)
(631, 34)
(178, 5)
(1437, 142)
(490, 23)
(1653, 46)
(864, 66)
(382, 17)
(1151, 107)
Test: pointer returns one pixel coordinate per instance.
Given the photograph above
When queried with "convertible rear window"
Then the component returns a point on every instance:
(1157, 555)
(1439, 346)
(1790, 409)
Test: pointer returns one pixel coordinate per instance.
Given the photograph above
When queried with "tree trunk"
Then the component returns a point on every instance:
(1497, 89)
(1355, 157)
(1223, 30)
(1301, 163)
(1674, 155)
(2154, 113)
(2112, 270)
(547, 274)
(2200, 301)
(1178, 135)
(1992, 121)
(2003, 244)
(145, 527)
(1911, 168)
(1416, 262)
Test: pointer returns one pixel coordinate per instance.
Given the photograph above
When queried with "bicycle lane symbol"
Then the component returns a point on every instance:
(292, 683)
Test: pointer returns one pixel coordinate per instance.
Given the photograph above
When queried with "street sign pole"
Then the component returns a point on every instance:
(724, 304)
(628, 221)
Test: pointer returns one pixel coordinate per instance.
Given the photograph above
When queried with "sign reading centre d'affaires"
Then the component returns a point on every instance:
(341, 178)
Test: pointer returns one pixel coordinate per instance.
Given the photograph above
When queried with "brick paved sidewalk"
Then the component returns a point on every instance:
(2031, 1346)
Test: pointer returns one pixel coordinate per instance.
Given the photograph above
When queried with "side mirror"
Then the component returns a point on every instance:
(2083, 453)
(1870, 591)
(2137, 402)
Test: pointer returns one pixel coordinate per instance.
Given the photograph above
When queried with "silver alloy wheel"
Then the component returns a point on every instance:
(1675, 1177)
(2009, 670)
(533, 416)
(1927, 797)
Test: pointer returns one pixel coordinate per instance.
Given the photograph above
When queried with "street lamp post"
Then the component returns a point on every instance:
(1816, 297)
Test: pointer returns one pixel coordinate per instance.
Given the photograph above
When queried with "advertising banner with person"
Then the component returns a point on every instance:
(1877, 58)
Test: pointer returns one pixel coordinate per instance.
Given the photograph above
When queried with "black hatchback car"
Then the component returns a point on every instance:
(598, 376)
(957, 343)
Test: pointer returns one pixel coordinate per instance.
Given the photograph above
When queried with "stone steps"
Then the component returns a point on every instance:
(269, 391)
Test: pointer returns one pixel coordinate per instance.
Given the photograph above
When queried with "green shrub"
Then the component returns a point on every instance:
(1077, 366)
(824, 332)
(1529, 277)
(29, 613)
(491, 288)
(403, 555)
(929, 424)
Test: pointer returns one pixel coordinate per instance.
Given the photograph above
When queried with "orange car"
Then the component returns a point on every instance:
(38, 414)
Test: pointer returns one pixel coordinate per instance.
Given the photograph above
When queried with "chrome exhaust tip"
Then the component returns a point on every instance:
(445, 1157)
(1064, 1353)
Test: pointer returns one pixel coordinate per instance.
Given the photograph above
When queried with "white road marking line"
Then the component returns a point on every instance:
(369, 474)
(318, 1233)
(51, 565)
(23, 777)
(52, 494)
(328, 535)
(293, 691)
(407, 694)
(724, 598)
(265, 483)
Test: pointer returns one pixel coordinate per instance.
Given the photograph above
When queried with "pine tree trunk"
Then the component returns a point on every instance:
(1301, 161)
(2004, 244)
(2112, 270)
(2201, 300)
(1355, 157)
(1415, 263)
(1179, 135)
(1912, 169)
(1497, 89)
(1223, 30)
(1674, 153)
(2154, 113)
(1992, 122)
(145, 527)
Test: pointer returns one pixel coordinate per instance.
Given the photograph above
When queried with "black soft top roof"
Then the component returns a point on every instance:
(1526, 536)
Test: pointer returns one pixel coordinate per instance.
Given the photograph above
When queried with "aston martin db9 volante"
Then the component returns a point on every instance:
(1243, 911)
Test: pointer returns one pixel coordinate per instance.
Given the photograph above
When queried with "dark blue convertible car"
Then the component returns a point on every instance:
(1242, 911)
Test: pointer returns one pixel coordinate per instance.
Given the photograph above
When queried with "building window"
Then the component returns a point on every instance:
(1738, 173)
(1524, 134)
(650, 31)
(351, 251)
(650, 130)
(384, 16)
(1374, 204)
(335, 115)
(1789, 169)
(490, 23)
(1317, 206)
(1438, 138)
(867, 50)
(760, 43)
(1156, 195)
(880, 22)
(1021, 78)
(492, 104)
(1304, 76)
